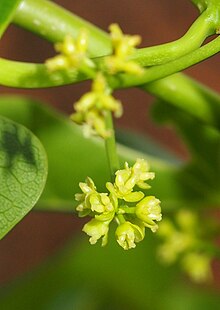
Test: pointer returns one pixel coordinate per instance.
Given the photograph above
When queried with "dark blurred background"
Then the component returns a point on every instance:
(157, 21)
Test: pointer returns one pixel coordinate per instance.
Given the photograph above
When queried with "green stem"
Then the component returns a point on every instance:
(120, 219)
(157, 72)
(53, 23)
(203, 27)
(42, 16)
(128, 210)
(25, 75)
(110, 146)
(200, 4)
(18, 74)
(188, 95)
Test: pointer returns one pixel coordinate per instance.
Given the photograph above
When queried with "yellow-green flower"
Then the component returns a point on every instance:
(97, 229)
(127, 178)
(88, 188)
(103, 206)
(132, 217)
(123, 47)
(197, 266)
(176, 242)
(142, 174)
(177, 245)
(100, 98)
(72, 53)
(182, 241)
(129, 234)
(148, 210)
(92, 107)
(100, 205)
(187, 220)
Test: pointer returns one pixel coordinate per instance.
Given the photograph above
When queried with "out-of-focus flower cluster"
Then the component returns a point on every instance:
(123, 48)
(181, 241)
(72, 53)
(131, 209)
(91, 109)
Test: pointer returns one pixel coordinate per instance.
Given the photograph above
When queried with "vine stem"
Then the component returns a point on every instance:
(110, 146)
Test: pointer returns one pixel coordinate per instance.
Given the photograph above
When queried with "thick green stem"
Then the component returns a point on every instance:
(201, 4)
(195, 36)
(157, 72)
(110, 146)
(18, 74)
(189, 96)
(42, 17)
(53, 23)
(25, 75)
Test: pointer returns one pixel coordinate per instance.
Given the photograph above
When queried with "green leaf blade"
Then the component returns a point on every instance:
(23, 172)
(7, 9)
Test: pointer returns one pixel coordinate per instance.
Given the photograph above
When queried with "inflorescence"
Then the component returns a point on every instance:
(131, 209)
(182, 242)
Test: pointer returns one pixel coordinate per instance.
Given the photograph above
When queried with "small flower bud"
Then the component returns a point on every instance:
(59, 62)
(127, 234)
(148, 210)
(72, 53)
(123, 47)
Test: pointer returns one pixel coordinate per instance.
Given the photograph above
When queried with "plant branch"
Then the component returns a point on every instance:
(41, 17)
(53, 23)
(203, 27)
(157, 72)
(17, 74)
(177, 88)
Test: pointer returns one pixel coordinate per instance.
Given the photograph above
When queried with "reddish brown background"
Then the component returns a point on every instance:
(158, 21)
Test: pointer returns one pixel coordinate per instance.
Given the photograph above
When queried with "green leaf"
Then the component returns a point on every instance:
(7, 9)
(23, 170)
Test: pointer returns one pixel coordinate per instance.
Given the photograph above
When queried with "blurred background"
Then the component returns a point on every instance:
(40, 235)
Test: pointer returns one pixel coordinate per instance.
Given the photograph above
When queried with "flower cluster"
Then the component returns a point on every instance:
(181, 241)
(123, 48)
(72, 54)
(92, 107)
(132, 211)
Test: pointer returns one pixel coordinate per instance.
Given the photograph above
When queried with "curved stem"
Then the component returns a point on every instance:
(26, 75)
(200, 4)
(188, 95)
(20, 74)
(203, 27)
(53, 23)
(157, 72)
(42, 16)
